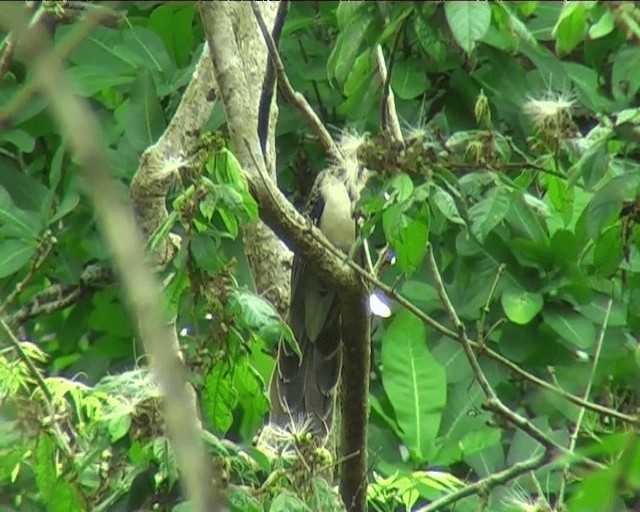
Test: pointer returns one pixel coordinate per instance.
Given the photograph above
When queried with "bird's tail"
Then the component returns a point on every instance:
(303, 392)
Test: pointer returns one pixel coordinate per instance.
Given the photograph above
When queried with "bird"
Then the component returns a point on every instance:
(302, 392)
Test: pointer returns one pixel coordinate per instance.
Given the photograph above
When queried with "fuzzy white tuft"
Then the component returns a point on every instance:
(552, 106)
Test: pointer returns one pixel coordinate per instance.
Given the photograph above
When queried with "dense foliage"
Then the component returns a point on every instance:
(517, 185)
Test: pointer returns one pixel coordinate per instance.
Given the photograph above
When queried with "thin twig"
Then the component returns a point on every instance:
(488, 483)
(42, 251)
(33, 370)
(587, 391)
(485, 309)
(492, 403)
(389, 102)
(295, 99)
(60, 296)
(391, 292)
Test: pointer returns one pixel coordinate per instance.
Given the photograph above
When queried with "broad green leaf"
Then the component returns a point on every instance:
(70, 200)
(608, 251)
(219, 397)
(145, 119)
(251, 396)
(349, 41)
(19, 138)
(408, 236)
(571, 326)
(14, 222)
(145, 48)
(173, 23)
(604, 26)
(206, 252)
(119, 425)
(414, 382)
(604, 207)
(14, 254)
(362, 71)
(20, 189)
(468, 21)
(564, 248)
(90, 79)
(100, 46)
(66, 497)
(400, 187)
(524, 221)
(570, 28)
(241, 500)
(258, 316)
(489, 212)
(447, 205)
(287, 502)
(624, 75)
(45, 465)
(521, 306)
(592, 166)
(409, 79)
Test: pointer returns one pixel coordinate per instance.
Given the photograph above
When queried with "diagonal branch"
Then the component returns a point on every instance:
(493, 403)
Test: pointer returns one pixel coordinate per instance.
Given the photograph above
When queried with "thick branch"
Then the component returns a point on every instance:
(356, 334)
(291, 226)
(275, 209)
(160, 162)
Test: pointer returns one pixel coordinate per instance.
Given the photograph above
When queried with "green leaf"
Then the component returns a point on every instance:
(447, 205)
(206, 252)
(570, 28)
(592, 166)
(18, 189)
(624, 75)
(219, 397)
(571, 326)
(409, 79)
(120, 424)
(521, 306)
(90, 79)
(17, 223)
(350, 39)
(173, 23)
(45, 466)
(400, 187)
(251, 397)
(604, 207)
(469, 22)
(14, 254)
(489, 212)
(66, 498)
(145, 120)
(524, 221)
(19, 138)
(287, 502)
(414, 382)
(241, 500)
(258, 316)
(407, 235)
(608, 251)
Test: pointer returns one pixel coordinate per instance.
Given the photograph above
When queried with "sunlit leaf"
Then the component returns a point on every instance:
(521, 306)
(414, 382)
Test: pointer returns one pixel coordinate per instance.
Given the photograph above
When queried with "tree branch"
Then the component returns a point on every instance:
(493, 403)
(290, 225)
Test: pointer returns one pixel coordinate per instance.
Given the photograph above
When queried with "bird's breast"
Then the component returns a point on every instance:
(336, 221)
